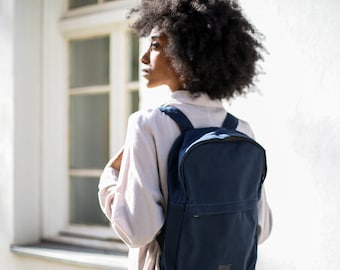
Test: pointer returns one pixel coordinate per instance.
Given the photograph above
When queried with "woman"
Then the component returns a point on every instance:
(203, 51)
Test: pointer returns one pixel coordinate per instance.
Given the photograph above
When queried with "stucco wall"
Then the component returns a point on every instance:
(297, 118)
(7, 129)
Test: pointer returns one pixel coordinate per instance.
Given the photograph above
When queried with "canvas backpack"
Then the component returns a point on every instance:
(215, 175)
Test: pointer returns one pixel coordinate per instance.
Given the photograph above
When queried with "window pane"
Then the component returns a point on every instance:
(81, 3)
(89, 62)
(89, 131)
(134, 57)
(134, 101)
(85, 208)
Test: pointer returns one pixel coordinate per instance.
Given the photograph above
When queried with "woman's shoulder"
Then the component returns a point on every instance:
(147, 117)
(245, 128)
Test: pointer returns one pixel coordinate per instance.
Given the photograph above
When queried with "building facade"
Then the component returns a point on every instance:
(68, 82)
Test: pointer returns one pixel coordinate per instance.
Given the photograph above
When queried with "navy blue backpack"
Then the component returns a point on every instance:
(215, 175)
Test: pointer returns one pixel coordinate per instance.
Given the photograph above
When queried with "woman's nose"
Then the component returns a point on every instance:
(145, 58)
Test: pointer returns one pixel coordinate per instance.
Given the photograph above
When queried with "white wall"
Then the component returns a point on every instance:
(20, 136)
(27, 111)
(20, 70)
(297, 118)
(6, 128)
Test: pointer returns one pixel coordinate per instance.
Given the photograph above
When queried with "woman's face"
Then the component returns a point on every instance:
(156, 67)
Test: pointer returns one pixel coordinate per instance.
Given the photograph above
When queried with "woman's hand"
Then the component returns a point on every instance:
(117, 160)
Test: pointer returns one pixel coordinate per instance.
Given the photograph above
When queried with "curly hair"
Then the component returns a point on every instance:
(213, 48)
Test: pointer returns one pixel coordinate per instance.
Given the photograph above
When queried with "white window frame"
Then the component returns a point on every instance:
(98, 20)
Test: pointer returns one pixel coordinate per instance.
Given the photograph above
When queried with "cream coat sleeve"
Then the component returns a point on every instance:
(264, 212)
(136, 200)
(264, 218)
(107, 189)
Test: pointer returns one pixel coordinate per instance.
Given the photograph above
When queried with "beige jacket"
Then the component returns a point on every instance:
(134, 198)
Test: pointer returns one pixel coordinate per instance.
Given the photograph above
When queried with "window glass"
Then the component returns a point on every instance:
(134, 101)
(89, 62)
(134, 57)
(89, 131)
(84, 207)
(81, 3)
(133, 71)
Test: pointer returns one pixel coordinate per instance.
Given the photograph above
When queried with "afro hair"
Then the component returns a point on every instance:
(213, 48)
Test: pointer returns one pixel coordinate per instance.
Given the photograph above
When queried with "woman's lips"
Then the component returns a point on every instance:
(145, 72)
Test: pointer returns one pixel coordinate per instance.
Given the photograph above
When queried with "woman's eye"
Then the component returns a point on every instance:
(154, 45)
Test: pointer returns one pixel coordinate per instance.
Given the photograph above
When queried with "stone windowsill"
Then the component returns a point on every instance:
(74, 254)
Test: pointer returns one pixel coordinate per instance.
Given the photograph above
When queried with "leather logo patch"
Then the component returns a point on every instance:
(224, 267)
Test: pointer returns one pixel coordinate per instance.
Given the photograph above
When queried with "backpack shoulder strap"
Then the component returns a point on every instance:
(179, 117)
(230, 122)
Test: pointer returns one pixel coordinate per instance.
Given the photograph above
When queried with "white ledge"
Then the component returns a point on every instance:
(71, 254)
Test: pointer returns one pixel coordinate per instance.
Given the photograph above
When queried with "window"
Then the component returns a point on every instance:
(99, 91)
(82, 3)
(89, 118)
